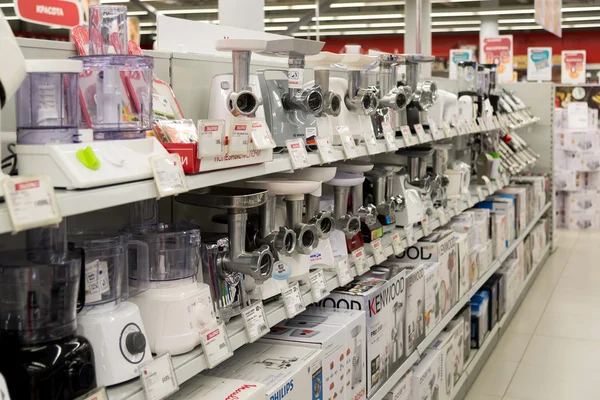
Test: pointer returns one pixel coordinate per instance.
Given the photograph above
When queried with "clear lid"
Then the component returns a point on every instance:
(467, 76)
(173, 251)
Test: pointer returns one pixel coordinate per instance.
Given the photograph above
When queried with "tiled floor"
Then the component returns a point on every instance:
(551, 350)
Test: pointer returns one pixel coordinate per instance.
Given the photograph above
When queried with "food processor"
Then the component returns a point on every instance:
(41, 290)
(424, 92)
(113, 326)
(291, 110)
(113, 94)
(468, 100)
(176, 306)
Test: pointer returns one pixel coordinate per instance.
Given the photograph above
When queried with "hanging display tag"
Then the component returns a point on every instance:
(295, 78)
(97, 394)
(261, 135)
(390, 137)
(371, 142)
(442, 216)
(158, 377)
(348, 143)
(239, 137)
(360, 260)
(216, 345)
(425, 225)
(318, 284)
(298, 154)
(406, 134)
(480, 194)
(344, 274)
(420, 133)
(31, 202)
(325, 149)
(409, 233)
(488, 184)
(435, 132)
(447, 129)
(293, 300)
(168, 175)
(378, 253)
(211, 140)
(397, 243)
(255, 321)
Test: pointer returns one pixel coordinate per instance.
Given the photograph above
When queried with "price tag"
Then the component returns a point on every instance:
(96, 394)
(360, 260)
(168, 175)
(420, 133)
(482, 126)
(371, 142)
(466, 129)
(211, 140)
(506, 179)
(348, 143)
(480, 194)
(344, 273)
(447, 129)
(298, 154)
(239, 137)
(435, 132)
(488, 184)
(409, 233)
(425, 225)
(318, 284)
(261, 135)
(31, 202)
(378, 253)
(325, 149)
(397, 243)
(255, 321)
(293, 300)
(442, 216)
(490, 124)
(216, 345)
(390, 137)
(406, 134)
(158, 377)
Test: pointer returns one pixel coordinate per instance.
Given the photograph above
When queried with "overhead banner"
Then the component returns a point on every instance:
(539, 64)
(498, 50)
(63, 13)
(573, 66)
(456, 56)
(548, 14)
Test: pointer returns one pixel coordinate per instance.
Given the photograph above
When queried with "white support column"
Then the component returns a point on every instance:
(489, 27)
(246, 14)
(417, 36)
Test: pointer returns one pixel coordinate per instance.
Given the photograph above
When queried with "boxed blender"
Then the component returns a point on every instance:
(330, 339)
(465, 274)
(479, 318)
(504, 206)
(401, 390)
(427, 376)
(581, 201)
(539, 190)
(464, 317)
(353, 323)
(499, 238)
(520, 194)
(451, 344)
(378, 298)
(290, 372)
(202, 387)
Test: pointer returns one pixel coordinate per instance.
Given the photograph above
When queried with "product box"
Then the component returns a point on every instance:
(202, 387)
(382, 302)
(512, 286)
(432, 300)
(293, 372)
(464, 317)
(465, 274)
(581, 201)
(439, 247)
(491, 287)
(502, 309)
(427, 377)
(504, 206)
(463, 223)
(474, 263)
(414, 330)
(520, 194)
(401, 390)
(479, 318)
(499, 241)
(583, 220)
(451, 344)
(539, 190)
(481, 225)
(483, 256)
(592, 181)
(581, 140)
(353, 322)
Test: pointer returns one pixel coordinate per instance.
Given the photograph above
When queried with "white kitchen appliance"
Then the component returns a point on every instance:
(468, 104)
(424, 92)
(445, 108)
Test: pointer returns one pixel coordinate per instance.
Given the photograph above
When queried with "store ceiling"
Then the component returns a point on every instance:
(355, 17)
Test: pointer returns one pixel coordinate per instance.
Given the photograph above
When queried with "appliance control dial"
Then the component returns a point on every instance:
(82, 374)
(133, 343)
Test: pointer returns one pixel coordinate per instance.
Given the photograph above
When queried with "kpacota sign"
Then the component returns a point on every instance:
(64, 13)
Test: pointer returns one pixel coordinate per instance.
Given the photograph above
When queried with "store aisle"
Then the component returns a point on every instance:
(552, 346)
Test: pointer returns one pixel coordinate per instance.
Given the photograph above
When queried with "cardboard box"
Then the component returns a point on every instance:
(432, 292)
(539, 190)
(290, 372)
(499, 240)
(465, 272)
(492, 289)
(481, 225)
(581, 201)
(427, 377)
(451, 344)
(202, 387)
(403, 389)
(520, 194)
(504, 205)
(512, 284)
(464, 317)
(414, 330)
(480, 318)
(353, 322)
(583, 220)
(463, 223)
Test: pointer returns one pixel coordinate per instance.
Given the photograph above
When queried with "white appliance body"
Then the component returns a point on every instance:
(414, 206)
(466, 108)
(220, 88)
(358, 124)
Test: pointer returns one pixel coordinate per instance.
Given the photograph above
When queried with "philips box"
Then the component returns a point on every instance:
(202, 387)
(427, 377)
(288, 372)
(465, 273)
(401, 390)
(451, 344)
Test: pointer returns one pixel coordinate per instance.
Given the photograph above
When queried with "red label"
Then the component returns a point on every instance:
(236, 392)
(240, 127)
(257, 124)
(212, 128)
(359, 254)
(213, 334)
(27, 185)
(63, 13)
(295, 146)
(376, 244)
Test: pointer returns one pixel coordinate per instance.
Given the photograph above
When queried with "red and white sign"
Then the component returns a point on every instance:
(64, 13)
(499, 50)
(573, 66)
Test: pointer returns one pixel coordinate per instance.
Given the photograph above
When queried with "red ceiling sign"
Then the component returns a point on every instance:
(65, 13)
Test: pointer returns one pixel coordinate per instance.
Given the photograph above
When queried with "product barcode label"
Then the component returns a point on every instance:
(325, 148)
(255, 320)
(370, 142)
(168, 175)
(158, 377)
(397, 243)
(211, 138)
(360, 260)
(318, 284)
(216, 345)
(390, 137)
(378, 251)
(406, 134)
(298, 154)
(348, 144)
(239, 137)
(425, 225)
(344, 273)
(293, 300)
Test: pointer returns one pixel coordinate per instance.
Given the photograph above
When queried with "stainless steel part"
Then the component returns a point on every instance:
(307, 235)
(360, 99)
(242, 101)
(390, 94)
(349, 224)
(308, 100)
(332, 102)
(280, 240)
(323, 220)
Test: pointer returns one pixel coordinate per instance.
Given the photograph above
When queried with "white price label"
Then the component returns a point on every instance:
(298, 154)
(390, 137)
(360, 260)
(397, 243)
(239, 137)
(318, 284)
(406, 134)
(371, 142)
(96, 394)
(31, 202)
(480, 194)
(442, 216)
(216, 345)
(261, 135)
(425, 225)
(489, 122)
(255, 321)
(158, 377)
(465, 126)
(325, 149)
(344, 273)
(506, 179)
(435, 132)
(420, 133)
(168, 175)
(378, 253)
(348, 143)
(488, 184)
(293, 300)
(211, 141)
(482, 126)
(410, 235)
